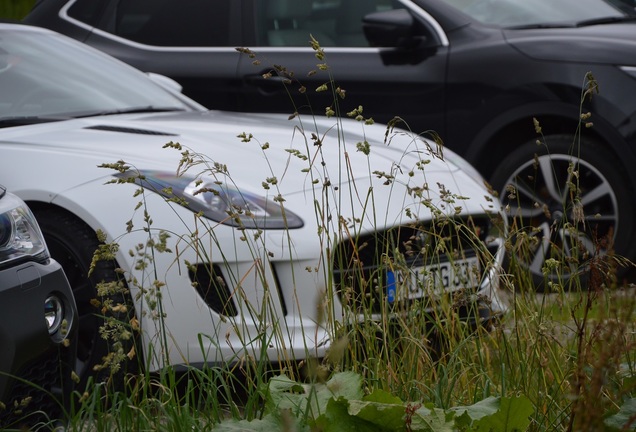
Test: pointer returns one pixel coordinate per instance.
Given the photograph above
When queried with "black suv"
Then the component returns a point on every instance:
(37, 324)
(475, 72)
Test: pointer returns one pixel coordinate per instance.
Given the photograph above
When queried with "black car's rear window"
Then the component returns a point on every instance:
(88, 11)
(184, 23)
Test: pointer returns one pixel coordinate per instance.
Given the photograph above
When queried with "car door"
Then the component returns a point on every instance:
(387, 81)
(193, 42)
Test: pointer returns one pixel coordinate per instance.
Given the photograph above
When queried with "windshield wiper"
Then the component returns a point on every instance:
(606, 20)
(29, 120)
(134, 110)
(540, 26)
(584, 23)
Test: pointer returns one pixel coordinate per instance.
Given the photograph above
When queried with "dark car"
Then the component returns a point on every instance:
(37, 323)
(476, 72)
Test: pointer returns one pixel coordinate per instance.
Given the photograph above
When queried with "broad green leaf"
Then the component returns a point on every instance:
(267, 424)
(347, 385)
(513, 415)
(383, 397)
(337, 419)
(310, 400)
(626, 414)
(283, 393)
(432, 420)
(380, 408)
(485, 407)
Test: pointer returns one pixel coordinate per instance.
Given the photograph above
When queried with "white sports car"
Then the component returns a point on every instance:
(229, 234)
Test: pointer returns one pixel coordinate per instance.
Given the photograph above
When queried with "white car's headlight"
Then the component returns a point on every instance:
(20, 235)
(220, 202)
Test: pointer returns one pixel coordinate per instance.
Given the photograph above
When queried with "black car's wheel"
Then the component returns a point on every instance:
(568, 203)
(72, 243)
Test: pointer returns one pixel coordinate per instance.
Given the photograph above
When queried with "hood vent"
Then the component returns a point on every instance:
(129, 130)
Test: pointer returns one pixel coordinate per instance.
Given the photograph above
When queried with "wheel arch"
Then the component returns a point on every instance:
(516, 127)
(43, 205)
(38, 205)
(76, 256)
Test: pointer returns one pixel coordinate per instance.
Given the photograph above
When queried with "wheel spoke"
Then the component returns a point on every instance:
(530, 207)
(587, 243)
(600, 218)
(527, 212)
(536, 265)
(571, 243)
(561, 235)
(523, 189)
(602, 190)
(547, 169)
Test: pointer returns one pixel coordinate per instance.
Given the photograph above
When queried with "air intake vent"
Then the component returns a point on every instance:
(209, 282)
(129, 130)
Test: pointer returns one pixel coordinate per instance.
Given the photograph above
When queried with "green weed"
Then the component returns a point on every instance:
(559, 361)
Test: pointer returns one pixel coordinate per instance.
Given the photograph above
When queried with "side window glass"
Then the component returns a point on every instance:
(173, 23)
(87, 11)
(331, 22)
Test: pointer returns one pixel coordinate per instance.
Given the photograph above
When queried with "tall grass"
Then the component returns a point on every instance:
(570, 353)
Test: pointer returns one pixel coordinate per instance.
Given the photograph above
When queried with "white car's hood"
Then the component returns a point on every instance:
(213, 133)
(254, 147)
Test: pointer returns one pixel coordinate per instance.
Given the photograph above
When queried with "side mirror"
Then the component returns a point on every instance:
(165, 82)
(393, 28)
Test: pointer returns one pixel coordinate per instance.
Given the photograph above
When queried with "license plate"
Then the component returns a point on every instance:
(433, 279)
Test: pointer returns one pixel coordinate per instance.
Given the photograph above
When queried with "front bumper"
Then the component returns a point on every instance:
(35, 366)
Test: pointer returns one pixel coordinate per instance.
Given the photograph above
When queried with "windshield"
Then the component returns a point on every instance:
(524, 13)
(48, 75)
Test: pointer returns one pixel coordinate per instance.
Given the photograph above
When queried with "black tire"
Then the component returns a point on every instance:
(541, 205)
(72, 243)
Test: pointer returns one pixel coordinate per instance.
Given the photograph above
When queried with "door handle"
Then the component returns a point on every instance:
(267, 86)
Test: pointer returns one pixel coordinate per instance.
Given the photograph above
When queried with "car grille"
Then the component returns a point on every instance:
(363, 264)
(37, 396)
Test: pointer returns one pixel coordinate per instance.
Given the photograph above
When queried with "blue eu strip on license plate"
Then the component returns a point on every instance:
(390, 286)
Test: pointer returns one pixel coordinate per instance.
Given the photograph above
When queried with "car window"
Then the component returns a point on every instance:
(186, 23)
(77, 80)
(87, 11)
(331, 22)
